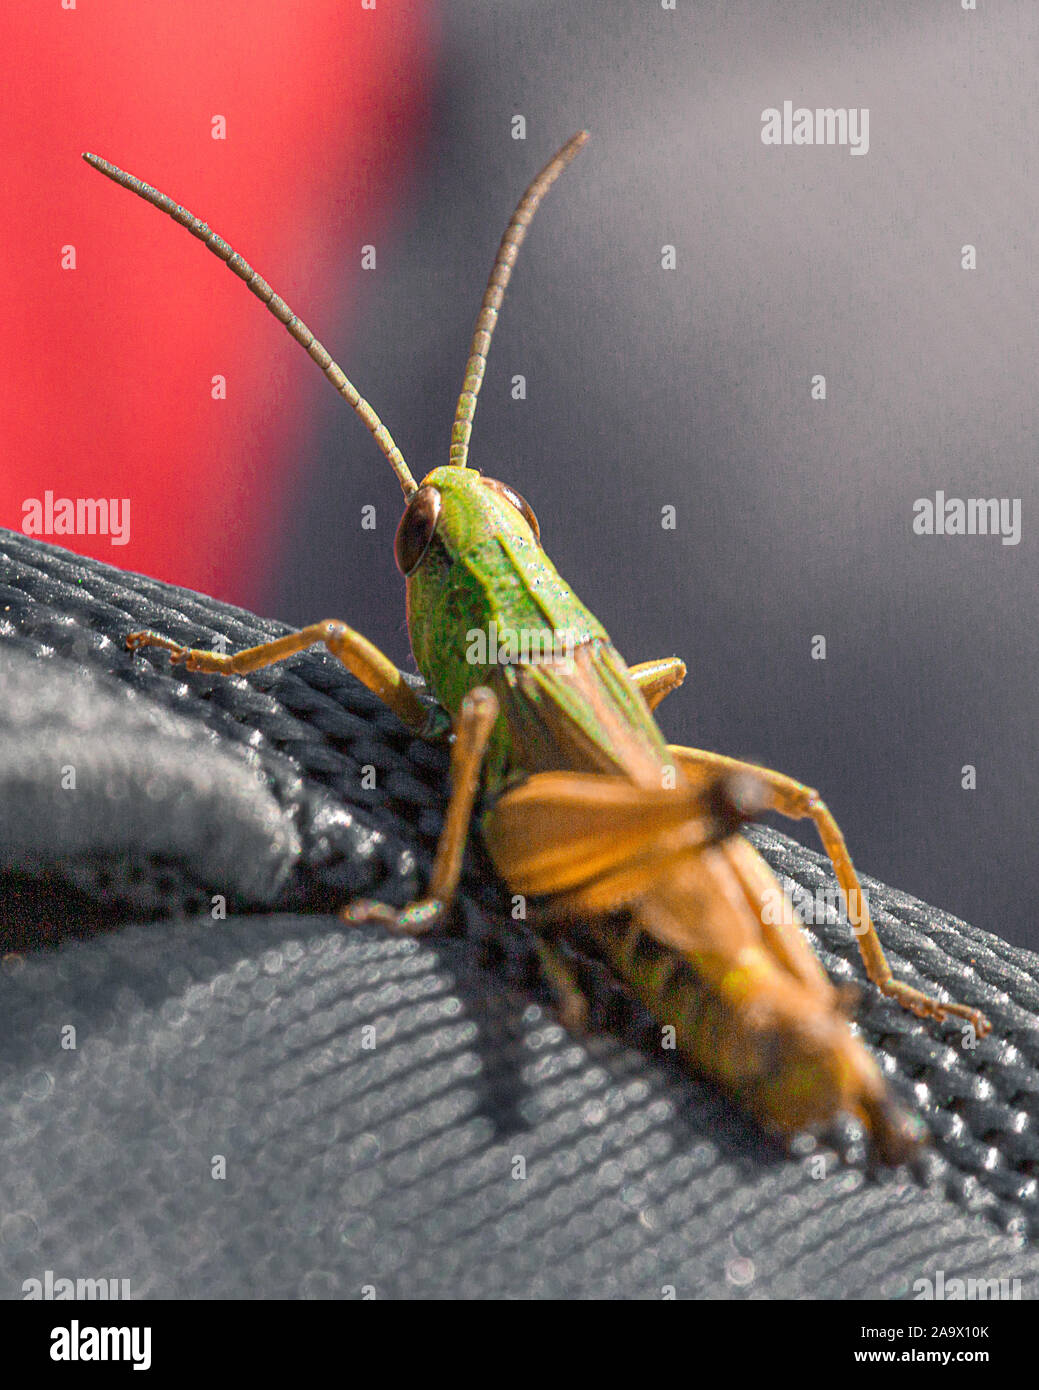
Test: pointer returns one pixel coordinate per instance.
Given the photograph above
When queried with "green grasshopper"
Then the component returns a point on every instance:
(587, 809)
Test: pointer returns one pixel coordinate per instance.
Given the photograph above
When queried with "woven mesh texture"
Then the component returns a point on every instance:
(398, 1166)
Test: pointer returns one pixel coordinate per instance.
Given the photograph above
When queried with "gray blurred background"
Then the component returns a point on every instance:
(691, 388)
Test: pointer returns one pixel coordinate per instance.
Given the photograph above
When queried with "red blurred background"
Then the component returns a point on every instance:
(108, 380)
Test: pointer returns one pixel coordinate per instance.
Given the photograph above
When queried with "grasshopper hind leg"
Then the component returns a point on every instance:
(798, 802)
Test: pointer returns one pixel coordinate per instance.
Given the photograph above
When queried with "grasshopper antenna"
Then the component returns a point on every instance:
(500, 275)
(281, 311)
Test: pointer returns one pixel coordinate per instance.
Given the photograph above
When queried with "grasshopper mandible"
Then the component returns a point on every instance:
(588, 809)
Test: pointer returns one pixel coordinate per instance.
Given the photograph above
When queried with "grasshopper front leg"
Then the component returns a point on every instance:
(473, 728)
(375, 670)
(371, 667)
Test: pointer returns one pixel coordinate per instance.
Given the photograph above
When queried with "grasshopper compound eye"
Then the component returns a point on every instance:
(521, 504)
(416, 529)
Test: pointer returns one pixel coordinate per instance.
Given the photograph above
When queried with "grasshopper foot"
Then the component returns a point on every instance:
(136, 640)
(414, 920)
(179, 654)
(191, 658)
(924, 1006)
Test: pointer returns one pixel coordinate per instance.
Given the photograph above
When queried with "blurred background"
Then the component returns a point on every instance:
(646, 388)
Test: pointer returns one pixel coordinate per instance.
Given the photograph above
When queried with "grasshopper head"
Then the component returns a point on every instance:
(470, 549)
(457, 513)
(465, 544)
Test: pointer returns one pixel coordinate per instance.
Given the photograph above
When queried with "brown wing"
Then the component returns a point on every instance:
(601, 838)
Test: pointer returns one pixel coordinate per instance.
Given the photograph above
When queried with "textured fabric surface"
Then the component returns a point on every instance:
(477, 1150)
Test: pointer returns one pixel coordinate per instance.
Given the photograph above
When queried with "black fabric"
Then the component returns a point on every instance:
(398, 1167)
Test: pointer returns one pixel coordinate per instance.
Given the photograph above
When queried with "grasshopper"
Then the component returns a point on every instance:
(586, 808)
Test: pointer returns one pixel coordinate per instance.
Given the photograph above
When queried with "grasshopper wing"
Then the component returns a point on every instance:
(594, 841)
